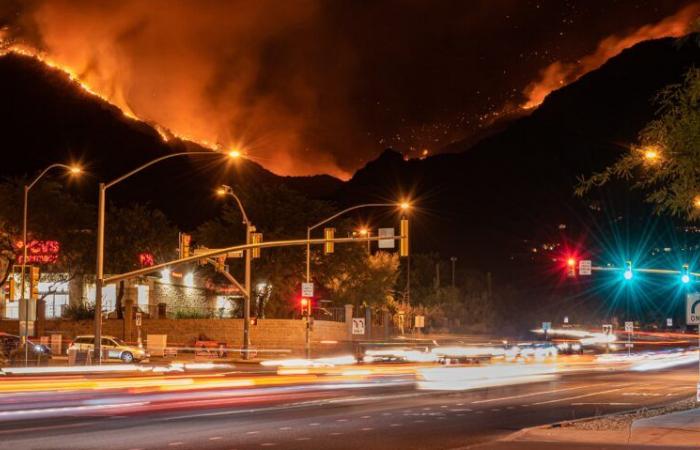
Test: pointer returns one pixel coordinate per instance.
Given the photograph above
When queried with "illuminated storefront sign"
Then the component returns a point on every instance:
(38, 252)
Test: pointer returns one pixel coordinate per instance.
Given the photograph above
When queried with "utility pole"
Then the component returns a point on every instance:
(454, 261)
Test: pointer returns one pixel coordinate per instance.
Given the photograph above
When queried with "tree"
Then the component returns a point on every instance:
(666, 163)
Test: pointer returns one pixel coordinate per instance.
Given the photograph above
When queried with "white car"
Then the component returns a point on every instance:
(115, 347)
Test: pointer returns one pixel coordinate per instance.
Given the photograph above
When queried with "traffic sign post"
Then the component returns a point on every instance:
(358, 325)
(585, 267)
(692, 308)
(307, 289)
(546, 326)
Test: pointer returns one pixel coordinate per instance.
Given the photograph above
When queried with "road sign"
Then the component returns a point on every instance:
(566, 319)
(307, 289)
(546, 326)
(419, 322)
(138, 319)
(358, 326)
(669, 322)
(692, 308)
(585, 267)
(629, 345)
(629, 327)
(607, 329)
(386, 233)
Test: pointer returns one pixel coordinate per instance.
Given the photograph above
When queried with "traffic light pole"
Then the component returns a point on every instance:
(25, 334)
(246, 306)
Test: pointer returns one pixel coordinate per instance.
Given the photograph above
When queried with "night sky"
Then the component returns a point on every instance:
(323, 86)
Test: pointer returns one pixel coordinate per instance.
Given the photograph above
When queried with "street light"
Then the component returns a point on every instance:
(249, 228)
(404, 205)
(101, 231)
(73, 170)
(651, 154)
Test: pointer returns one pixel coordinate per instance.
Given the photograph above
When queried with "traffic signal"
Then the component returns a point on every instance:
(329, 235)
(305, 306)
(403, 243)
(256, 238)
(11, 288)
(628, 271)
(685, 274)
(184, 247)
(34, 282)
(571, 267)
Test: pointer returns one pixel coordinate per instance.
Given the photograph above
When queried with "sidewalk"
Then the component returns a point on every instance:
(677, 430)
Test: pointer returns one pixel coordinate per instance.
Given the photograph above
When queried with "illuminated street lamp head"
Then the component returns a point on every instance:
(405, 206)
(234, 154)
(75, 170)
(223, 190)
(696, 201)
(363, 231)
(651, 155)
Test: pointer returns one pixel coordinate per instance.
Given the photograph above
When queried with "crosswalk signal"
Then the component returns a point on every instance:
(329, 245)
(256, 238)
(184, 247)
(34, 282)
(403, 243)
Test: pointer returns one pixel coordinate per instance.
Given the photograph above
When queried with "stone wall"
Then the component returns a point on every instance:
(268, 334)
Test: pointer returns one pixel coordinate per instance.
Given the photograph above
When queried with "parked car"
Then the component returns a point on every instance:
(115, 348)
(12, 350)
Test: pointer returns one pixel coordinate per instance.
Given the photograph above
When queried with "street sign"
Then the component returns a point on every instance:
(692, 308)
(138, 319)
(629, 327)
(669, 322)
(566, 319)
(386, 233)
(607, 329)
(629, 345)
(419, 322)
(585, 267)
(546, 326)
(307, 289)
(358, 326)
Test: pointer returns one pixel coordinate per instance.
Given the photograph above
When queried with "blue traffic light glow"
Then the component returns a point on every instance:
(628, 274)
(685, 278)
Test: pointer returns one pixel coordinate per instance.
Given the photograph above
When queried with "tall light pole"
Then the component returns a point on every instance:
(101, 232)
(27, 187)
(454, 261)
(226, 190)
(403, 206)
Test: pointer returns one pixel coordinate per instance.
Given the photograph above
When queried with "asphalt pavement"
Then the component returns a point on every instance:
(373, 416)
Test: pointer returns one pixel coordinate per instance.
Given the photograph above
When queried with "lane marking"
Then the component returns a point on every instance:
(367, 429)
(285, 428)
(303, 439)
(603, 403)
(50, 427)
(215, 438)
(395, 425)
(175, 444)
(267, 444)
(252, 432)
(554, 391)
(592, 394)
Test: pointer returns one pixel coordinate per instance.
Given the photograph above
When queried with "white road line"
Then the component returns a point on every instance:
(553, 391)
(175, 444)
(395, 425)
(592, 394)
(215, 438)
(49, 427)
(285, 428)
(603, 403)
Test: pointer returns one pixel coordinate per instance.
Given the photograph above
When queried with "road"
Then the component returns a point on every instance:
(384, 411)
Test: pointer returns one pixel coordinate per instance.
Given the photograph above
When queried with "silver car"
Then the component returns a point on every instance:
(114, 347)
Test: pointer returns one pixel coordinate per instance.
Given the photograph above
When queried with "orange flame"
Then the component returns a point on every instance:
(561, 73)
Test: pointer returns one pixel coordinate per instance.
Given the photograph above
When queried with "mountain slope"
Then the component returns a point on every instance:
(516, 185)
(46, 118)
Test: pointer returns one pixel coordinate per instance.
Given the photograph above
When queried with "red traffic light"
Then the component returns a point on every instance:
(571, 262)
(304, 302)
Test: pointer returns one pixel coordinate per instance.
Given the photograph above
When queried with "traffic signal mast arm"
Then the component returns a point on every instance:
(642, 270)
(220, 251)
